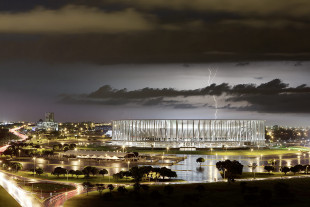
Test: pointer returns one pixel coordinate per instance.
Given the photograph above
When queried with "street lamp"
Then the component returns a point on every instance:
(34, 164)
(19, 152)
(167, 149)
(128, 165)
(123, 148)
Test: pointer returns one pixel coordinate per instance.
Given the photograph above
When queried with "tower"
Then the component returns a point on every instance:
(49, 117)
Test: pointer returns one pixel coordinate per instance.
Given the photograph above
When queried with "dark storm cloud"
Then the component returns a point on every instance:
(273, 97)
(136, 31)
(279, 103)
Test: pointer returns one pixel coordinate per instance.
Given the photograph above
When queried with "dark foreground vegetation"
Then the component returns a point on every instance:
(285, 192)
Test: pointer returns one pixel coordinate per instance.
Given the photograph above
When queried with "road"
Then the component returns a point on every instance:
(56, 200)
(15, 132)
(23, 197)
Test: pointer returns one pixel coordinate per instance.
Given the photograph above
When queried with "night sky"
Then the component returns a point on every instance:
(118, 59)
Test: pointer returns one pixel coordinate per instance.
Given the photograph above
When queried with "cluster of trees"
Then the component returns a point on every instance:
(13, 166)
(149, 172)
(37, 170)
(229, 169)
(87, 171)
(294, 169)
(20, 148)
(64, 147)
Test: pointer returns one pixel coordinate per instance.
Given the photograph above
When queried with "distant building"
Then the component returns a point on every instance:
(49, 117)
(49, 124)
(103, 128)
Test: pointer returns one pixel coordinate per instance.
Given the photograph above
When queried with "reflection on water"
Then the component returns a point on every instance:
(188, 169)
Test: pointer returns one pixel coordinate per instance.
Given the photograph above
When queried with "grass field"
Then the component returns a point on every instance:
(47, 187)
(271, 175)
(244, 152)
(285, 192)
(6, 199)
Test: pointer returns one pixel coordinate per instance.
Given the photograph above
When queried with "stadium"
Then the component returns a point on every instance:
(188, 133)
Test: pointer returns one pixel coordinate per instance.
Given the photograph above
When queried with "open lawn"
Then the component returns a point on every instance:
(285, 192)
(244, 152)
(47, 187)
(6, 199)
(271, 175)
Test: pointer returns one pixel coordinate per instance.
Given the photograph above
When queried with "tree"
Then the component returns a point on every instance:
(156, 170)
(57, 171)
(200, 160)
(72, 172)
(172, 174)
(269, 168)
(72, 146)
(39, 171)
(87, 185)
(284, 170)
(229, 169)
(110, 187)
(16, 166)
(122, 190)
(127, 174)
(94, 171)
(87, 170)
(103, 172)
(100, 188)
(164, 172)
(137, 174)
(78, 173)
(294, 169)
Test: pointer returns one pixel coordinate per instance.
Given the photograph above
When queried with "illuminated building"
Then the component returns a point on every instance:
(188, 133)
(49, 124)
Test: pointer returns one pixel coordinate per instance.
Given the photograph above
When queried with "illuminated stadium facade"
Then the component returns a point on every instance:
(188, 133)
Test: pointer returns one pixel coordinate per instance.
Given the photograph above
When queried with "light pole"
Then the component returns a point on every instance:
(19, 152)
(123, 148)
(167, 149)
(128, 165)
(34, 165)
(253, 166)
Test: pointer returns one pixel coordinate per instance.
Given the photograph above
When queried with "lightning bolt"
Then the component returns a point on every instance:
(210, 80)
